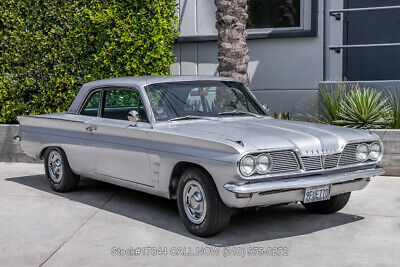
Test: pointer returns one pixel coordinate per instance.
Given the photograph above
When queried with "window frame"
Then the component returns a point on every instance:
(103, 101)
(301, 27)
(88, 98)
(310, 15)
(102, 89)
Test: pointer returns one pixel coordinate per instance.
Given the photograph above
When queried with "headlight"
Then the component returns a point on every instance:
(362, 152)
(375, 151)
(247, 165)
(263, 164)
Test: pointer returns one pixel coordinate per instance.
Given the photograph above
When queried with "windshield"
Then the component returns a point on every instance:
(200, 99)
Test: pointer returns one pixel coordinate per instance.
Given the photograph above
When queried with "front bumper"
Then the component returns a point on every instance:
(292, 190)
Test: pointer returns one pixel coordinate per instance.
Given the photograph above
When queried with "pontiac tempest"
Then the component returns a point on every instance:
(206, 142)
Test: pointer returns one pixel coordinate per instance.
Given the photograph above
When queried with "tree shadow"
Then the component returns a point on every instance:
(247, 226)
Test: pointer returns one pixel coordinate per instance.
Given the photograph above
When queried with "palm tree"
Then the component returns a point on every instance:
(233, 55)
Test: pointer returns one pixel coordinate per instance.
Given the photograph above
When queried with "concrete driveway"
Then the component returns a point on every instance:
(105, 225)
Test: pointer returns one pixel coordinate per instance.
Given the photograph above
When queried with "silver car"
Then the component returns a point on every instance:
(205, 141)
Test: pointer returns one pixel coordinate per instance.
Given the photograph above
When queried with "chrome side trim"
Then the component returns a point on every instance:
(124, 180)
(303, 182)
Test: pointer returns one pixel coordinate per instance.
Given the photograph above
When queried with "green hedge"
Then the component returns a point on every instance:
(49, 48)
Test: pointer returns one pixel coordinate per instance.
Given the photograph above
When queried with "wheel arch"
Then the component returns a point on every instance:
(176, 173)
(43, 151)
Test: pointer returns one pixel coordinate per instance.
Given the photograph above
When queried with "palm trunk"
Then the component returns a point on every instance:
(233, 53)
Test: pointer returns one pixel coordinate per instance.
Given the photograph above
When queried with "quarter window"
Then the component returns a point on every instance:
(92, 106)
(119, 102)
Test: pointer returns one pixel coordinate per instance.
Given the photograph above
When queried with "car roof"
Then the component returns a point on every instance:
(145, 80)
(137, 81)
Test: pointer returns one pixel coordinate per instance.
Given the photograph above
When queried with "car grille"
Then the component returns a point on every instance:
(312, 163)
(331, 161)
(284, 161)
(347, 157)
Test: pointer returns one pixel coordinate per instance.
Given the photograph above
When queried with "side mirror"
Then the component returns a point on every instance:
(266, 109)
(133, 116)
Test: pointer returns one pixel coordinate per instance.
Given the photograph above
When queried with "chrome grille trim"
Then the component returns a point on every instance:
(331, 161)
(284, 161)
(345, 158)
(289, 163)
(349, 155)
(312, 163)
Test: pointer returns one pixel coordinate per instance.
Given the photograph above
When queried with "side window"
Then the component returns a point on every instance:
(119, 102)
(92, 107)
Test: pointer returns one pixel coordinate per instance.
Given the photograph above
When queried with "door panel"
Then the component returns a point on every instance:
(77, 156)
(119, 150)
(77, 148)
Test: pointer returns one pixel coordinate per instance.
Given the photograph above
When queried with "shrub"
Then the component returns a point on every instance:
(365, 109)
(350, 106)
(329, 103)
(394, 99)
(49, 48)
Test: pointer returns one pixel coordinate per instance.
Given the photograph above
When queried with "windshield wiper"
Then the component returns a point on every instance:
(238, 112)
(190, 117)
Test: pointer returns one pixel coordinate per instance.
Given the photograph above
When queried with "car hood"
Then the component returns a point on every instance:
(267, 133)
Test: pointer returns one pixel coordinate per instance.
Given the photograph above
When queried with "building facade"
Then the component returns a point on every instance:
(294, 45)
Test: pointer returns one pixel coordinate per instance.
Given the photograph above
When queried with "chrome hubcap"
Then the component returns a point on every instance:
(194, 202)
(55, 166)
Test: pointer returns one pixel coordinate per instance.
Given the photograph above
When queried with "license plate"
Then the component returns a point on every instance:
(317, 193)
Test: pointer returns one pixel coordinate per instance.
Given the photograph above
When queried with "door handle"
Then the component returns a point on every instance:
(91, 128)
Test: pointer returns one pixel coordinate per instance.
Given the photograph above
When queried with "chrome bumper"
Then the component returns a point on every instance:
(292, 189)
(303, 182)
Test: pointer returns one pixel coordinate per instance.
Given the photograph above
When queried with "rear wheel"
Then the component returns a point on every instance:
(332, 205)
(200, 206)
(59, 174)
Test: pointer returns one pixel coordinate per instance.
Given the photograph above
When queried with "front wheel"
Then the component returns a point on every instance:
(59, 174)
(200, 206)
(331, 205)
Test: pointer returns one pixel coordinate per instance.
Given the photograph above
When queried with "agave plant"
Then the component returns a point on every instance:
(365, 109)
(394, 100)
(331, 98)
